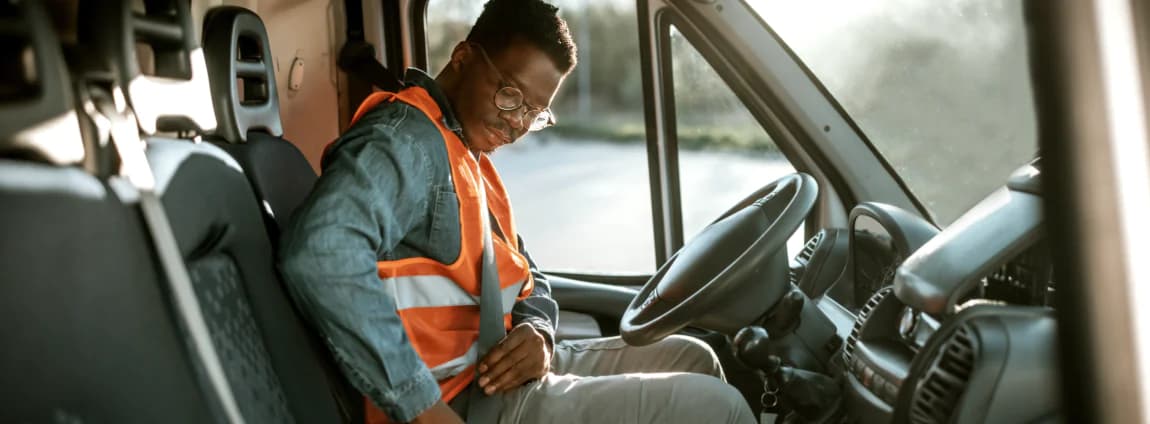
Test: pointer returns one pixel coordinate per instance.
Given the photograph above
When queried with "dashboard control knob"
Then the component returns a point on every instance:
(908, 323)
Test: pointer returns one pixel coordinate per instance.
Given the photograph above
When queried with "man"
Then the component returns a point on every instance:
(386, 255)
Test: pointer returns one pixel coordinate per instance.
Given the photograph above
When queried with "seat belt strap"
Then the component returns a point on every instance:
(482, 408)
(357, 58)
(197, 339)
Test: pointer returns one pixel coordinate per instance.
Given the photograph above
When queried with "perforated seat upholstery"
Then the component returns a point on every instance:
(227, 254)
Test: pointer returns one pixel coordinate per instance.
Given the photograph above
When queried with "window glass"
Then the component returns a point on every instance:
(724, 154)
(580, 189)
(940, 88)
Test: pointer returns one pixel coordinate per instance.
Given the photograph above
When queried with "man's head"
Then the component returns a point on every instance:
(508, 70)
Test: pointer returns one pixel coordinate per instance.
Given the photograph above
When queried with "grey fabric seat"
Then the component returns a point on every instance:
(244, 95)
(271, 364)
(88, 335)
(87, 332)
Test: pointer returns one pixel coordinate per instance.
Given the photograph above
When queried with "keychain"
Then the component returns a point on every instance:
(769, 400)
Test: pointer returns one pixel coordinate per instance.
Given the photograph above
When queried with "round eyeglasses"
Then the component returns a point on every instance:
(510, 98)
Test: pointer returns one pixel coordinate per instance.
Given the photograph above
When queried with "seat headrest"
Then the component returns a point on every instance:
(239, 60)
(37, 114)
(174, 94)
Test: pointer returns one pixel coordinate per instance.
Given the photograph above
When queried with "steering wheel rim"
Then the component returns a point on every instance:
(650, 317)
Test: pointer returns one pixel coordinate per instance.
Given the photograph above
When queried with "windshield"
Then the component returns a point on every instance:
(941, 89)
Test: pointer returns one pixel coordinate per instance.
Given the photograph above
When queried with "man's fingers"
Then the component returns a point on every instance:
(494, 355)
(497, 369)
(515, 377)
(517, 358)
(508, 344)
(516, 337)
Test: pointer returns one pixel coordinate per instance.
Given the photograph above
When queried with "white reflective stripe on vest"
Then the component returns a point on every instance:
(455, 366)
(425, 291)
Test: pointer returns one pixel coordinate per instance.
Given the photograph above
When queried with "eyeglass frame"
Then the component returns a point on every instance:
(505, 84)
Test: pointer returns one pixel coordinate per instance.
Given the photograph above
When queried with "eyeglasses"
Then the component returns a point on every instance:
(509, 98)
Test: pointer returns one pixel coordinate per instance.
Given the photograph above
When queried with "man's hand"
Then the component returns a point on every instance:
(521, 356)
(436, 414)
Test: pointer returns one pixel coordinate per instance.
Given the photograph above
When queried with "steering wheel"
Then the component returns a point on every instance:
(733, 272)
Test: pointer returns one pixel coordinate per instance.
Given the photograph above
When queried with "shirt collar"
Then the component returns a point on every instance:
(416, 77)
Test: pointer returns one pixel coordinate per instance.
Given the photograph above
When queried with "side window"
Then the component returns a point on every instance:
(941, 89)
(724, 154)
(580, 189)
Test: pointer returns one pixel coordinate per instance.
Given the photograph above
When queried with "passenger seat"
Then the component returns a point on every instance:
(272, 368)
(87, 330)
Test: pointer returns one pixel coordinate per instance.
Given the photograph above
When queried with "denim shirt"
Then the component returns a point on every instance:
(385, 194)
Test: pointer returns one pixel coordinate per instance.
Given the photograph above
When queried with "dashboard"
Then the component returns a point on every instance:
(949, 325)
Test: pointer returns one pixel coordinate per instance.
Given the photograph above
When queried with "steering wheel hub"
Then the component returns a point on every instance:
(728, 275)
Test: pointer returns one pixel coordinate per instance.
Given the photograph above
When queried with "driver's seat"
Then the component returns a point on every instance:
(246, 101)
(244, 95)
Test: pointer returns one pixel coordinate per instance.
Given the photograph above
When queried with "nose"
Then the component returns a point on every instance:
(514, 118)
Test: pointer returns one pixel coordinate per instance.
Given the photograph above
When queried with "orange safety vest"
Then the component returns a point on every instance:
(439, 303)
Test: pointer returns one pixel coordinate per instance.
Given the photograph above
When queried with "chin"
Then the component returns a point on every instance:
(488, 144)
(489, 147)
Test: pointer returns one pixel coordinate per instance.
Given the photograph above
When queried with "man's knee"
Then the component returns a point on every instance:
(694, 355)
(717, 398)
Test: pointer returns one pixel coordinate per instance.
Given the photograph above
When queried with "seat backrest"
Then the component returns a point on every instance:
(86, 330)
(35, 92)
(238, 55)
(240, 67)
(272, 367)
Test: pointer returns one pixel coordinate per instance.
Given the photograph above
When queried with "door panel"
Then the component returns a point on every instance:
(575, 325)
(601, 300)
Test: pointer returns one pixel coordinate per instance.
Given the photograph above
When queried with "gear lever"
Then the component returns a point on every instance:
(809, 394)
(751, 347)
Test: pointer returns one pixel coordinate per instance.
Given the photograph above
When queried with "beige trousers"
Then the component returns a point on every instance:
(677, 380)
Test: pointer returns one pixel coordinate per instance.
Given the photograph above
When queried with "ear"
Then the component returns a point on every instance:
(460, 54)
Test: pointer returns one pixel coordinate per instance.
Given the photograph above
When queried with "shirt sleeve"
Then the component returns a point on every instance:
(370, 195)
(538, 308)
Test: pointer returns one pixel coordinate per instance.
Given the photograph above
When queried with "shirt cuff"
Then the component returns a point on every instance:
(544, 328)
(411, 398)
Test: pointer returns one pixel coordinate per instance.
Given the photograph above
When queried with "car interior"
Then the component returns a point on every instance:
(145, 174)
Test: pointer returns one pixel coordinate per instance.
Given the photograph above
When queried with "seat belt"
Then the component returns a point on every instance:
(357, 56)
(482, 408)
(134, 167)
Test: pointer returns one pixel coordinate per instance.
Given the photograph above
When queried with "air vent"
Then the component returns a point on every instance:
(865, 312)
(938, 393)
(809, 248)
(799, 266)
(1024, 280)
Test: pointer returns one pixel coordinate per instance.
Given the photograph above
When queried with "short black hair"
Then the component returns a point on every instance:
(533, 21)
